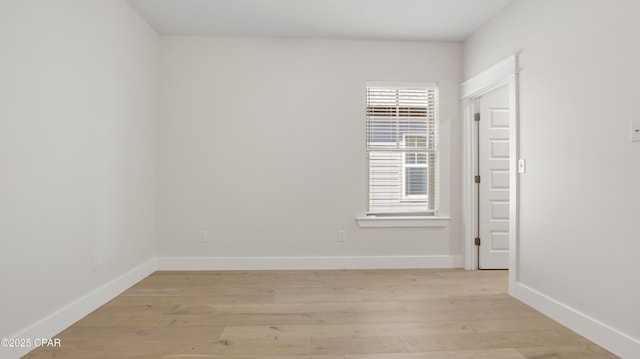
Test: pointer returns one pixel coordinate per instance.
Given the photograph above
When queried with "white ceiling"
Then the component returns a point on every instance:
(423, 20)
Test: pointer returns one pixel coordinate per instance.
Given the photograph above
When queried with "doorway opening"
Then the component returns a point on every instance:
(496, 90)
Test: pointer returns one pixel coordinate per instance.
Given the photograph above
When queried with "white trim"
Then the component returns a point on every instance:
(607, 337)
(469, 188)
(308, 263)
(489, 79)
(402, 221)
(64, 317)
(514, 180)
(505, 73)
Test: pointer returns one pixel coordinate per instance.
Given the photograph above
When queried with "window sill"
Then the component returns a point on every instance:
(402, 221)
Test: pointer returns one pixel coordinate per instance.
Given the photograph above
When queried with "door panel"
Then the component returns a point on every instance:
(493, 190)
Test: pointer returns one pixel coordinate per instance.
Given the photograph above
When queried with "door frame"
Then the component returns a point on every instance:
(504, 73)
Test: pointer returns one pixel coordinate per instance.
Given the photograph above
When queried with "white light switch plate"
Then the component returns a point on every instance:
(522, 165)
(635, 131)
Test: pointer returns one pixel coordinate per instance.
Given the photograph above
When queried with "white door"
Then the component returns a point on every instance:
(493, 190)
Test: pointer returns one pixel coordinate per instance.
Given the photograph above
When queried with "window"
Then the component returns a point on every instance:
(402, 151)
(415, 169)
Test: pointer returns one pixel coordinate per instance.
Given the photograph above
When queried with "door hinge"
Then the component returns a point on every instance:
(476, 116)
(477, 241)
(477, 179)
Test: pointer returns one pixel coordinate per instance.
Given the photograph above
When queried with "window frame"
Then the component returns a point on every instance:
(403, 120)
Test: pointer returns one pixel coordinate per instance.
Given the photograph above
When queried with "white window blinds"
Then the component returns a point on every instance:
(402, 148)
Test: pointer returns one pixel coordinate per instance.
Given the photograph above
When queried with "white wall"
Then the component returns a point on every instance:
(262, 144)
(77, 151)
(580, 197)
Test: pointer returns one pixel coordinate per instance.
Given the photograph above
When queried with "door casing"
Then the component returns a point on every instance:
(504, 73)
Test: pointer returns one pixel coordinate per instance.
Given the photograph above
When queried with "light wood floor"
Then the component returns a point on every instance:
(357, 314)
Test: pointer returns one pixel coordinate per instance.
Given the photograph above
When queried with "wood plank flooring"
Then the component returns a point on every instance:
(355, 314)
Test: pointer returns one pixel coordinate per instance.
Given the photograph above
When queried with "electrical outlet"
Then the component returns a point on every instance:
(97, 260)
(342, 235)
(202, 236)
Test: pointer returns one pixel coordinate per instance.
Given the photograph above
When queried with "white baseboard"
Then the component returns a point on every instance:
(61, 319)
(609, 338)
(308, 263)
